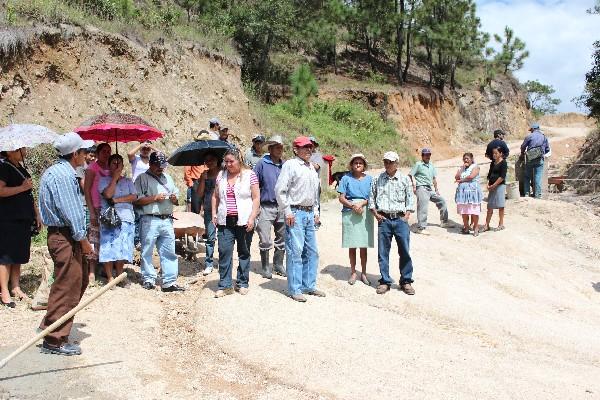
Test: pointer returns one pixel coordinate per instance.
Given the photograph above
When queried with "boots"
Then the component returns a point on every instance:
(278, 262)
(266, 267)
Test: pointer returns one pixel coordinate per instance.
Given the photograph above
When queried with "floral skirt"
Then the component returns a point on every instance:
(116, 244)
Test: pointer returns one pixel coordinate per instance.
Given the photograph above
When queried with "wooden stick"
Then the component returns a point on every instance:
(62, 319)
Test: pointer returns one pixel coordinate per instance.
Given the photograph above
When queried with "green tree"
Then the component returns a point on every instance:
(591, 95)
(512, 54)
(304, 87)
(539, 97)
(595, 9)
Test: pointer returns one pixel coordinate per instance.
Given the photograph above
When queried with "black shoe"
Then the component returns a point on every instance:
(66, 349)
(10, 304)
(173, 288)
(280, 272)
(148, 285)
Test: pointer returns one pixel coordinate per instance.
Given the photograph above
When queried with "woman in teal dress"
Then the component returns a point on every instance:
(357, 222)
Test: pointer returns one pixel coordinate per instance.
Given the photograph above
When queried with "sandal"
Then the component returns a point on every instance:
(464, 231)
(352, 279)
(365, 280)
(500, 228)
(485, 228)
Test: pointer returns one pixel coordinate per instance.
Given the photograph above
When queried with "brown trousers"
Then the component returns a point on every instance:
(70, 282)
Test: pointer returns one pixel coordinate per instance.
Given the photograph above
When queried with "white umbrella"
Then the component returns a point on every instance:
(16, 136)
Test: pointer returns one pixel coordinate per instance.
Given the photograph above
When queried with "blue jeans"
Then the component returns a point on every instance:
(211, 235)
(302, 257)
(158, 232)
(535, 170)
(399, 230)
(227, 237)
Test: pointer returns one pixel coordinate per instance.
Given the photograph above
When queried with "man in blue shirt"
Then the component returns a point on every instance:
(497, 142)
(267, 170)
(62, 211)
(535, 147)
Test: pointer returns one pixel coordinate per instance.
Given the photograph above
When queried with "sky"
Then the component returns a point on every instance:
(559, 35)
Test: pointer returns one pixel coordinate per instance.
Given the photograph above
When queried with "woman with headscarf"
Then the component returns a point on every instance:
(19, 218)
(468, 194)
(357, 222)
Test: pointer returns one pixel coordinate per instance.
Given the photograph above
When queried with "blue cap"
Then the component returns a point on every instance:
(426, 150)
(535, 125)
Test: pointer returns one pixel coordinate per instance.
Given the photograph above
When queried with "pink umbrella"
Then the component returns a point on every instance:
(118, 128)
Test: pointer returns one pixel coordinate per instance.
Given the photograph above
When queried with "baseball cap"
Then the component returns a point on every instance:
(391, 156)
(258, 138)
(214, 120)
(70, 143)
(302, 141)
(426, 150)
(499, 132)
(535, 125)
(158, 157)
(313, 140)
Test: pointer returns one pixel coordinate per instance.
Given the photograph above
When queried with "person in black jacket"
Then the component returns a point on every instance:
(497, 142)
(496, 188)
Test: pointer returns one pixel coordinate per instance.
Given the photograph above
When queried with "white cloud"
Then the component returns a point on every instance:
(559, 36)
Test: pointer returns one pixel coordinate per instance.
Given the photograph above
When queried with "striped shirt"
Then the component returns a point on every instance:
(60, 199)
(231, 204)
(391, 194)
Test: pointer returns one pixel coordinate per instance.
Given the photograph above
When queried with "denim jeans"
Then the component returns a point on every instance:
(158, 232)
(302, 255)
(211, 235)
(534, 169)
(399, 230)
(227, 237)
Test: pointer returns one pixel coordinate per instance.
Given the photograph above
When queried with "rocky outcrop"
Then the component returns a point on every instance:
(448, 122)
(75, 73)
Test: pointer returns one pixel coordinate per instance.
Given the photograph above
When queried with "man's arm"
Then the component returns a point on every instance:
(133, 152)
(68, 204)
(281, 190)
(410, 201)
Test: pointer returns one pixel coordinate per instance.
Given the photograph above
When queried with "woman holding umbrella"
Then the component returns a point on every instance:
(93, 174)
(17, 215)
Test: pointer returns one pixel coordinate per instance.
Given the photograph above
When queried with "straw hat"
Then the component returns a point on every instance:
(276, 139)
(358, 155)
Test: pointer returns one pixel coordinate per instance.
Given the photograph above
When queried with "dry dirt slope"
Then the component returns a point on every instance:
(508, 315)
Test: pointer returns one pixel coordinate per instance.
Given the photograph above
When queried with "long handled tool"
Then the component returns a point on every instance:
(62, 319)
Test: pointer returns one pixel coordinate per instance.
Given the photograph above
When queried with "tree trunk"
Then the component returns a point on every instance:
(264, 58)
(400, 39)
(369, 51)
(335, 70)
(429, 63)
(453, 75)
(408, 45)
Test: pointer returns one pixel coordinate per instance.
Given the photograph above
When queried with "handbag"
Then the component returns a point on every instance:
(534, 154)
(109, 216)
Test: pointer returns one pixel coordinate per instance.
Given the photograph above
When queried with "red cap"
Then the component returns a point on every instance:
(302, 141)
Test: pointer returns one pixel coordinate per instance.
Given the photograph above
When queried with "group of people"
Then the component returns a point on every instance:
(237, 195)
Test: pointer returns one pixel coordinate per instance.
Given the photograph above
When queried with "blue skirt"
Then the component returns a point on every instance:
(116, 244)
(468, 193)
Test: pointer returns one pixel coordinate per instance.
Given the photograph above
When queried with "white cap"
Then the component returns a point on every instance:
(70, 143)
(391, 156)
(214, 120)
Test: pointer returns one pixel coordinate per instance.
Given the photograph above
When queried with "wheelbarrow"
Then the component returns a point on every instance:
(189, 231)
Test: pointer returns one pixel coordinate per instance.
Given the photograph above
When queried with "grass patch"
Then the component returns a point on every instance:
(342, 128)
(144, 21)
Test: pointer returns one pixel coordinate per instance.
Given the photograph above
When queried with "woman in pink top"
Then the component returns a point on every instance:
(235, 205)
(93, 173)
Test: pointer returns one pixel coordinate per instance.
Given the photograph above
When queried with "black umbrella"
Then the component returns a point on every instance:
(194, 153)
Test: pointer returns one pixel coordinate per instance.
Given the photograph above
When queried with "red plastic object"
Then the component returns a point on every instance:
(329, 159)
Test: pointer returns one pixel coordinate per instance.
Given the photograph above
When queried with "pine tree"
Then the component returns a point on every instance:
(513, 53)
(539, 97)
(304, 87)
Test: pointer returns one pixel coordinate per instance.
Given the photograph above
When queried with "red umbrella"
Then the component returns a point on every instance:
(118, 128)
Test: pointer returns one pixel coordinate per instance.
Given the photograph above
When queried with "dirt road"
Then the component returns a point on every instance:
(510, 314)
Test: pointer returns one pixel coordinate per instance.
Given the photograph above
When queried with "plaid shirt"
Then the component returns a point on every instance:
(60, 199)
(392, 194)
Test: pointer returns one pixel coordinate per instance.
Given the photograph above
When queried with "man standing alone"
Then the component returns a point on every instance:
(391, 202)
(424, 182)
(297, 192)
(61, 210)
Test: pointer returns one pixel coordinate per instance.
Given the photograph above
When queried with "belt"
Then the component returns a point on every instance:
(303, 208)
(65, 230)
(394, 215)
(160, 216)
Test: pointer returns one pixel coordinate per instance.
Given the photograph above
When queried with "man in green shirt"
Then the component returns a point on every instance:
(424, 183)
(157, 194)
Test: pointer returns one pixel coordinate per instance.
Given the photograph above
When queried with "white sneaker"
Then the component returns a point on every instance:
(207, 270)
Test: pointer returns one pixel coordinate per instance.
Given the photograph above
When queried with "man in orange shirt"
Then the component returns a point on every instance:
(191, 175)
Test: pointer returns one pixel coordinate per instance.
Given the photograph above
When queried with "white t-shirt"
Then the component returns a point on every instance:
(138, 167)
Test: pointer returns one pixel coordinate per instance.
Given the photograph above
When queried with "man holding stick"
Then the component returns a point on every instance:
(62, 211)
